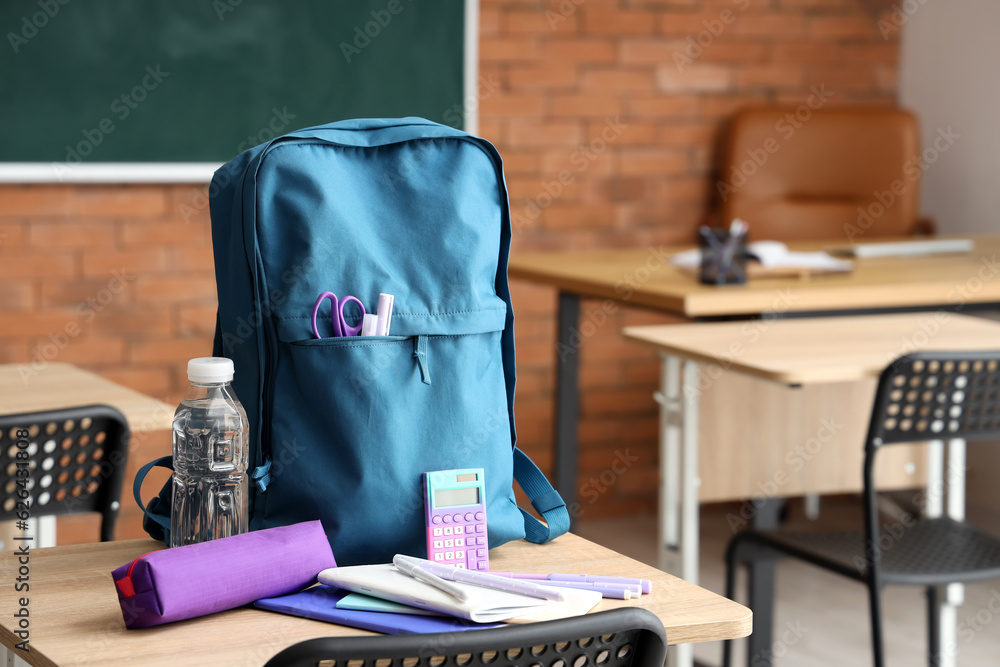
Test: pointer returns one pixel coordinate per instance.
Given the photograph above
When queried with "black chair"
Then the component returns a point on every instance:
(615, 638)
(74, 460)
(922, 397)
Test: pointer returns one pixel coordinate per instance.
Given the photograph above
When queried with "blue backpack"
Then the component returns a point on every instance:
(341, 429)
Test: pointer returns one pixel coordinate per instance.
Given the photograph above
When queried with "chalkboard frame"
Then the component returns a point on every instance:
(201, 172)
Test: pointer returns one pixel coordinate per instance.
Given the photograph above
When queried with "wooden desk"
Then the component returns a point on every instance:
(795, 352)
(76, 620)
(24, 388)
(644, 277)
(63, 385)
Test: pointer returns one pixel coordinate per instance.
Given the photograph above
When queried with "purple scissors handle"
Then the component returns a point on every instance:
(337, 306)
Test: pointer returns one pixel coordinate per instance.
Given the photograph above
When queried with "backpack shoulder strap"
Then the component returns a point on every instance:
(156, 516)
(545, 499)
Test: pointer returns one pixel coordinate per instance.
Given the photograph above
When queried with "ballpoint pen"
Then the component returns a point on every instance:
(415, 570)
(450, 573)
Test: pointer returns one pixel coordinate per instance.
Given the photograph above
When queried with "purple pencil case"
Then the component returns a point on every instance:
(199, 579)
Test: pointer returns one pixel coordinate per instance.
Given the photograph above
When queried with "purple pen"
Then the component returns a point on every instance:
(616, 591)
(484, 579)
(645, 585)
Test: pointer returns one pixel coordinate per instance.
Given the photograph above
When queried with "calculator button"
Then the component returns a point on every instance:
(479, 527)
(439, 556)
(482, 552)
(438, 544)
(437, 532)
(459, 566)
(447, 518)
(460, 554)
(449, 543)
(482, 565)
(448, 530)
(468, 517)
(459, 542)
(459, 530)
(449, 555)
(436, 519)
(480, 540)
(480, 516)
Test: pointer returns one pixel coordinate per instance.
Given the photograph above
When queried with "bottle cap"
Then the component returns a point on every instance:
(210, 369)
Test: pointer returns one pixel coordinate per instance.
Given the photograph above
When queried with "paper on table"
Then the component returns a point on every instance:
(774, 255)
(483, 605)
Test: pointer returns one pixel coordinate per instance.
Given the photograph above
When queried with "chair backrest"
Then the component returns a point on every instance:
(64, 462)
(924, 397)
(795, 173)
(937, 396)
(615, 638)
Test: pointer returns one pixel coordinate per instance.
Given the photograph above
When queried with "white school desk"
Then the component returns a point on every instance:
(792, 352)
(76, 620)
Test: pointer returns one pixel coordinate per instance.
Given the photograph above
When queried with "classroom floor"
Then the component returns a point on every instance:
(829, 613)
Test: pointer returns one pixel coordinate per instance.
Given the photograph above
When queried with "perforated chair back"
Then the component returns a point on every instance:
(65, 462)
(937, 396)
(616, 638)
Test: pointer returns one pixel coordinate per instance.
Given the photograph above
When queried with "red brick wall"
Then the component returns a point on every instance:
(616, 94)
(628, 97)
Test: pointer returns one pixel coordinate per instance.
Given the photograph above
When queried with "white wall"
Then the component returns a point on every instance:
(950, 76)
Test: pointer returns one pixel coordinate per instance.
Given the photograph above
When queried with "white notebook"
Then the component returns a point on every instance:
(905, 248)
(483, 605)
(774, 255)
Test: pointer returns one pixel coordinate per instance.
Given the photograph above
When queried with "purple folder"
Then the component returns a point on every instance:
(199, 579)
(320, 603)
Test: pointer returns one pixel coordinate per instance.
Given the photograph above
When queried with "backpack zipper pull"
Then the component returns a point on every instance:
(420, 353)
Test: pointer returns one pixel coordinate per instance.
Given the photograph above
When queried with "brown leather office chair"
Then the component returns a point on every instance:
(794, 173)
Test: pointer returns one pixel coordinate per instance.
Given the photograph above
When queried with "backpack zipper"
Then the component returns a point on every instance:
(261, 473)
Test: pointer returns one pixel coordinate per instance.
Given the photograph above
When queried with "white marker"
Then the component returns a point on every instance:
(384, 311)
(369, 325)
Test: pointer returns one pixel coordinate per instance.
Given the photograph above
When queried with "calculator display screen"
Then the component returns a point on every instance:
(453, 497)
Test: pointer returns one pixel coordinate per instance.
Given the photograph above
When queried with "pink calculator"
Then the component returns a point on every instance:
(455, 515)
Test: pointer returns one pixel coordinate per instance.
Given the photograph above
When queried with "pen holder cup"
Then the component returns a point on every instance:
(723, 257)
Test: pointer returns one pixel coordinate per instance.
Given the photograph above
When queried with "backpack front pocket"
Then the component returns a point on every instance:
(375, 412)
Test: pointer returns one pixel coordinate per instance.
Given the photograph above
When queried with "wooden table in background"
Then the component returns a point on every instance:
(644, 277)
(55, 386)
(797, 352)
(76, 620)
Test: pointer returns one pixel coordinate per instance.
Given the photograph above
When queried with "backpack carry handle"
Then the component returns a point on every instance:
(156, 515)
(544, 498)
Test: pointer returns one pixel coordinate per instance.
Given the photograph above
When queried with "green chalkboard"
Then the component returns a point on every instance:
(163, 81)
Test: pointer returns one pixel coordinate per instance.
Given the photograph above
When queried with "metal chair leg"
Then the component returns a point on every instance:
(875, 608)
(933, 626)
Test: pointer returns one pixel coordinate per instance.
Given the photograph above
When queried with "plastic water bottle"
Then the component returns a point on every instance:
(211, 451)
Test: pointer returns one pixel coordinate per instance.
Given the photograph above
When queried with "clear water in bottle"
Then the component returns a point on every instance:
(211, 448)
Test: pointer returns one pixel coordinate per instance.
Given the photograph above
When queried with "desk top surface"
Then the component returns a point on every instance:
(645, 277)
(823, 349)
(76, 620)
(25, 388)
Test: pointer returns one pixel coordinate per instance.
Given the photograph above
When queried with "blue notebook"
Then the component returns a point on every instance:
(320, 603)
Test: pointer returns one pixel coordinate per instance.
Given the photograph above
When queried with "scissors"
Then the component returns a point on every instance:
(337, 306)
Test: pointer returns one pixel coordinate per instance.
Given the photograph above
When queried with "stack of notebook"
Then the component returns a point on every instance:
(384, 599)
